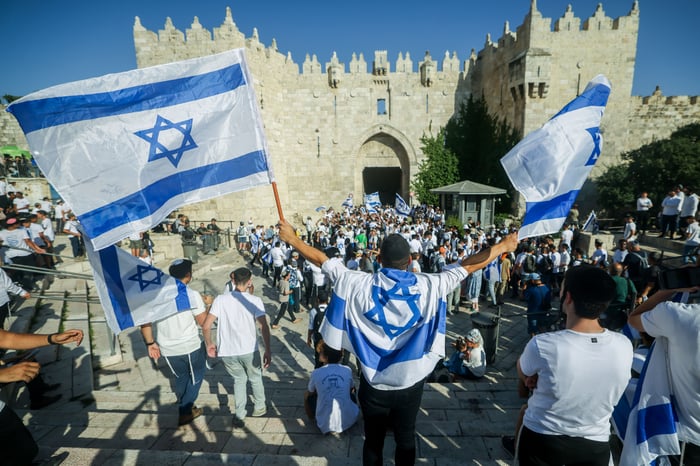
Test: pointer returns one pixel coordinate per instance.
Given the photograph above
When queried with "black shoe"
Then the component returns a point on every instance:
(238, 423)
(43, 401)
(508, 443)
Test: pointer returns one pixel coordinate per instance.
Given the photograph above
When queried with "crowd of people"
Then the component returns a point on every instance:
(379, 285)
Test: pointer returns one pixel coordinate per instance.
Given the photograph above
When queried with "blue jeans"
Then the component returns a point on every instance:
(454, 365)
(188, 370)
(246, 368)
(687, 254)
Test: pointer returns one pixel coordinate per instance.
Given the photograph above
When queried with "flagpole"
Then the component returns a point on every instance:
(277, 200)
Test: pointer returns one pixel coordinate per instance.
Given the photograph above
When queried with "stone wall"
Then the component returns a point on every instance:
(328, 123)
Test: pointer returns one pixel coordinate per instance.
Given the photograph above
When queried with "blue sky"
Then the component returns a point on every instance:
(48, 42)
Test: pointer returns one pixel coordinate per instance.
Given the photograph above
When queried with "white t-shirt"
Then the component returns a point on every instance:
(567, 236)
(335, 410)
(643, 204)
(178, 334)
(680, 323)
(277, 256)
(237, 314)
(48, 229)
(21, 204)
(581, 377)
(15, 239)
(693, 234)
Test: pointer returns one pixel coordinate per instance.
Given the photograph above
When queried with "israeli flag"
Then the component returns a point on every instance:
(126, 149)
(348, 201)
(373, 199)
(401, 207)
(133, 292)
(398, 330)
(321, 208)
(549, 166)
(590, 222)
(370, 209)
(648, 424)
(492, 272)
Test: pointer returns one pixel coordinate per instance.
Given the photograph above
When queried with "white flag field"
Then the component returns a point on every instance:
(126, 149)
(549, 166)
(133, 292)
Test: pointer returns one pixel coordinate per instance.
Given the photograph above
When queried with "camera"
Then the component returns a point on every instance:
(683, 277)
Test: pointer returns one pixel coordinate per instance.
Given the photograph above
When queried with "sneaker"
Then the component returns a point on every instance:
(187, 418)
(238, 422)
(259, 412)
(508, 443)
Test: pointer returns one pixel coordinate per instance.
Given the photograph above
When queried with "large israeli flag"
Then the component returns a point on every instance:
(133, 292)
(126, 149)
(401, 207)
(648, 424)
(549, 166)
(396, 328)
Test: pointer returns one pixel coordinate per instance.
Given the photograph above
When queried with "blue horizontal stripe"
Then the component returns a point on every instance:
(557, 207)
(145, 202)
(597, 96)
(655, 420)
(115, 288)
(182, 300)
(39, 114)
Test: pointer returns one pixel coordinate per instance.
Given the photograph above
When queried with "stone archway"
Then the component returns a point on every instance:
(384, 165)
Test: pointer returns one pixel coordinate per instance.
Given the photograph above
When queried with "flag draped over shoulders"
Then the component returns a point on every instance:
(126, 149)
(648, 423)
(393, 321)
(549, 166)
(133, 292)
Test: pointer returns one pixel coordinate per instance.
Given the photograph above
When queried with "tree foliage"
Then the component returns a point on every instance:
(439, 168)
(655, 168)
(479, 141)
(10, 98)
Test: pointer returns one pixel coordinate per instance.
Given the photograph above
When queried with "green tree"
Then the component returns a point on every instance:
(655, 168)
(479, 141)
(10, 98)
(439, 168)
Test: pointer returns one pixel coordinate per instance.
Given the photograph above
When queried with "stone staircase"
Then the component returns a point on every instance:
(119, 409)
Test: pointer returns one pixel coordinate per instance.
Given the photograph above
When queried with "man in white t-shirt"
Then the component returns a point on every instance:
(692, 239)
(329, 397)
(578, 375)
(177, 339)
(680, 325)
(237, 338)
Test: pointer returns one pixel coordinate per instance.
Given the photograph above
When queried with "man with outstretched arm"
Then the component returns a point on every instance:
(16, 442)
(680, 325)
(393, 321)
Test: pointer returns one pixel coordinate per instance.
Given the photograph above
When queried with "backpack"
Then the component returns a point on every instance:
(318, 320)
(529, 264)
(545, 265)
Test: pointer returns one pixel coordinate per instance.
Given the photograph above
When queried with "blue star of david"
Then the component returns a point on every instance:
(158, 150)
(144, 282)
(382, 297)
(595, 134)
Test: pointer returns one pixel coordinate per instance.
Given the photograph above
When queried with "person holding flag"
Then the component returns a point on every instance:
(394, 322)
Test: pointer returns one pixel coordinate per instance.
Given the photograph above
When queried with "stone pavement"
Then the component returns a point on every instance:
(125, 414)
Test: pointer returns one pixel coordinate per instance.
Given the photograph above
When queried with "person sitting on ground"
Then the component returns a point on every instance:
(330, 397)
(469, 359)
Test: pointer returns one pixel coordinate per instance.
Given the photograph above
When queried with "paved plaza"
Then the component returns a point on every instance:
(125, 413)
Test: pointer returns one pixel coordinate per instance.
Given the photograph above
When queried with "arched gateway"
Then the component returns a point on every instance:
(384, 163)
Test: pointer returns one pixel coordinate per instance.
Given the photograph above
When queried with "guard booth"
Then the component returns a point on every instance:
(469, 199)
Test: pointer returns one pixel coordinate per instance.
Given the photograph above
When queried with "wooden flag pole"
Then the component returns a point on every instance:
(277, 200)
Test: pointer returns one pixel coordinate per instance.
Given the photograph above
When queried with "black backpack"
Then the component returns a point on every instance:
(318, 320)
(529, 264)
(545, 265)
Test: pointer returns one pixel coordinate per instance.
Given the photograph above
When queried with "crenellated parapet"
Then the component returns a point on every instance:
(170, 44)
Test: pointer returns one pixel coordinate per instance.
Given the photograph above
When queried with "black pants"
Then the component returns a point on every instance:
(395, 409)
(284, 307)
(543, 450)
(643, 219)
(16, 442)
